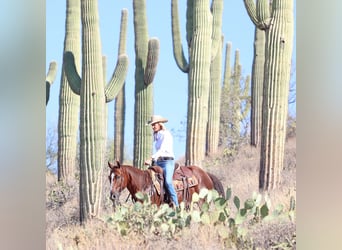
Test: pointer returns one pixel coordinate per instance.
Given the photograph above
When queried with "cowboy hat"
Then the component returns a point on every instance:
(155, 119)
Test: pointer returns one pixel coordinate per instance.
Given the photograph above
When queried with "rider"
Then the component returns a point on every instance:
(164, 156)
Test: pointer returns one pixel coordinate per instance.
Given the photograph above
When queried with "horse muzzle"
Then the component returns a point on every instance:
(114, 197)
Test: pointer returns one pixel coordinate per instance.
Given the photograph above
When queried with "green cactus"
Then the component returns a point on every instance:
(147, 52)
(257, 86)
(235, 104)
(93, 97)
(213, 127)
(217, 212)
(235, 118)
(69, 103)
(225, 99)
(119, 109)
(276, 18)
(50, 78)
(203, 27)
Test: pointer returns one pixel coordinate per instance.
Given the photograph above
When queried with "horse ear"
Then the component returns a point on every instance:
(110, 165)
(117, 163)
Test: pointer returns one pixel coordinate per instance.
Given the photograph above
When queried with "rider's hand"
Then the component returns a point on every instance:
(148, 162)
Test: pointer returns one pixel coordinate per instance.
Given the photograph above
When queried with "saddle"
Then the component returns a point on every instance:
(156, 174)
(183, 178)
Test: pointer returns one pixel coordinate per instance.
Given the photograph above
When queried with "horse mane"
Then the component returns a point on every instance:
(144, 175)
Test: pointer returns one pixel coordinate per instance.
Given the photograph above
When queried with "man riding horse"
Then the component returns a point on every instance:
(164, 156)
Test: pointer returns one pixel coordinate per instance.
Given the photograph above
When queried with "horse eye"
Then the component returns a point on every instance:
(117, 176)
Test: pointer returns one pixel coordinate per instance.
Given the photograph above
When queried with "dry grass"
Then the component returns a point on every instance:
(241, 174)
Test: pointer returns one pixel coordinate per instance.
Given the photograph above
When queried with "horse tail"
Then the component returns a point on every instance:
(217, 184)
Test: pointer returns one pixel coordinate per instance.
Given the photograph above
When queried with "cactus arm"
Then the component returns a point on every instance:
(245, 91)
(227, 70)
(123, 31)
(245, 96)
(176, 39)
(258, 13)
(263, 14)
(118, 78)
(70, 71)
(51, 75)
(251, 10)
(152, 60)
(50, 78)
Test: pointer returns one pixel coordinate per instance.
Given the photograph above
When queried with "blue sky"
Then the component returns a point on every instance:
(170, 84)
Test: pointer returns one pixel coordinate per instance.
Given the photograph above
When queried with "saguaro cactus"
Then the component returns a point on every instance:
(225, 99)
(146, 52)
(69, 103)
(257, 86)
(203, 37)
(240, 100)
(213, 126)
(235, 104)
(50, 78)
(119, 110)
(278, 24)
(93, 96)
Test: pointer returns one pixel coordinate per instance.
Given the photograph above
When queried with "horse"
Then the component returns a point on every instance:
(187, 180)
(135, 180)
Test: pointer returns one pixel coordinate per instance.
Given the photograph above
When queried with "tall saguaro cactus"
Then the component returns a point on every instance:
(257, 86)
(203, 36)
(146, 52)
(119, 110)
(225, 99)
(240, 100)
(93, 97)
(50, 78)
(235, 104)
(69, 103)
(213, 127)
(277, 21)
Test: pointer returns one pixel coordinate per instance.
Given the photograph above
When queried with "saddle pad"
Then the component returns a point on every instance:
(155, 182)
(181, 171)
(179, 185)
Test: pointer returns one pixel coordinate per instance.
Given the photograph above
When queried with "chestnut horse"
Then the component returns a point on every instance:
(146, 181)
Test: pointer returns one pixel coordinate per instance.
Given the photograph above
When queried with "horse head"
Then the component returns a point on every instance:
(117, 180)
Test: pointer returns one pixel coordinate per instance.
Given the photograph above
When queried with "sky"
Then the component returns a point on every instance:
(170, 84)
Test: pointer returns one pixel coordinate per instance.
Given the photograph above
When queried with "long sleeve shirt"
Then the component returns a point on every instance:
(163, 142)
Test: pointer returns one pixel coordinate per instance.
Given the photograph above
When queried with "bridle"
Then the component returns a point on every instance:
(115, 196)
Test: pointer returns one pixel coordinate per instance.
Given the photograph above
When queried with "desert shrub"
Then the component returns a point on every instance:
(220, 224)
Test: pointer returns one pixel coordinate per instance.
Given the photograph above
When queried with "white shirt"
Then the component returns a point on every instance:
(163, 143)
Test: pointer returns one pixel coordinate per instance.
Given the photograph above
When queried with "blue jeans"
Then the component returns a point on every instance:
(168, 169)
